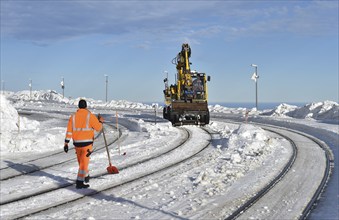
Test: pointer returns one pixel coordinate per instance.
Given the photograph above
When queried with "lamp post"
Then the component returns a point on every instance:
(255, 77)
(106, 85)
(63, 87)
(155, 106)
(30, 89)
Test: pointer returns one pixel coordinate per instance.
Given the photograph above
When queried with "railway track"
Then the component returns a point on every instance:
(304, 148)
(104, 181)
(47, 161)
(35, 169)
(248, 209)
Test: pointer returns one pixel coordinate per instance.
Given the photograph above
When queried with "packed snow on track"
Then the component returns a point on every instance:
(196, 188)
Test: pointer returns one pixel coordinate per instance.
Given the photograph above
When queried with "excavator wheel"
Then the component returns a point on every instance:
(207, 118)
(174, 119)
(164, 113)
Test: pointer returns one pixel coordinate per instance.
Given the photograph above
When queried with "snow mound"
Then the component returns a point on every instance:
(247, 147)
(327, 111)
(282, 110)
(126, 104)
(92, 103)
(9, 116)
(248, 142)
(156, 130)
(221, 109)
(51, 96)
(19, 134)
(10, 120)
(42, 95)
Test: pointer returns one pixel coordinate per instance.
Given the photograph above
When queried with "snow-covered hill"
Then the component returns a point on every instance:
(22, 97)
(42, 95)
(327, 110)
(324, 111)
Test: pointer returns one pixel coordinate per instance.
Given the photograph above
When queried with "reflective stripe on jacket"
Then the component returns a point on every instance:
(81, 126)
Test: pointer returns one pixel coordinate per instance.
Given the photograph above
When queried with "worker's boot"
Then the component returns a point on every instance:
(87, 179)
(81, 185)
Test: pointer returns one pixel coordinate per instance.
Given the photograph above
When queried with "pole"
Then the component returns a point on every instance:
(155, 106)
(106, 85)
(155, 114)
(30, 89)
(255, 77)
(117, 125)
(63, 87)
(256, 88)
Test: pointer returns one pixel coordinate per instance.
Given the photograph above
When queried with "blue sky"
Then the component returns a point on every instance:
(294, 44)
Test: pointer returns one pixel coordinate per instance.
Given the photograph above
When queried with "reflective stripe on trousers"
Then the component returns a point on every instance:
(83, 161)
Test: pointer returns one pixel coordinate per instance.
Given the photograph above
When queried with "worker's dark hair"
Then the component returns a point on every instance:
(82, 103)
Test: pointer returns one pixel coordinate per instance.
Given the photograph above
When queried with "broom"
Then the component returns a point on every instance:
(110, 169)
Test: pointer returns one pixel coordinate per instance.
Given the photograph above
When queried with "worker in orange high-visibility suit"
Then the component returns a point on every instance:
(81, 126)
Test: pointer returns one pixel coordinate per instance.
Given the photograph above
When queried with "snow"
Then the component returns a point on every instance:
(19, 134)
(25, 97)
(323, 111)
(241, 157)
(326, 110)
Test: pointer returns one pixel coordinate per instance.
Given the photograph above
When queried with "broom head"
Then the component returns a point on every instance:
(112, 169)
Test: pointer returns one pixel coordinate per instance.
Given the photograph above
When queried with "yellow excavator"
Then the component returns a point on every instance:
(186, 101)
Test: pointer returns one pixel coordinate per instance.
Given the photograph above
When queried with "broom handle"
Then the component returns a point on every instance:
(109, 157)
(117, 124)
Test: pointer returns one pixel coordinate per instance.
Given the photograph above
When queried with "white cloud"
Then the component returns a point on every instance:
(45, 22)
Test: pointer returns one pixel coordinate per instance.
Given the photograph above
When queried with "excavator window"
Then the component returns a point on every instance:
(198, 86)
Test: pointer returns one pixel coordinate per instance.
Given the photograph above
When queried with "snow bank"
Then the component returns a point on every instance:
(42, 95)
(221, 109)
(324, 111)
(155, 130)
(10, 120)
(9, 116)
(117, 104)
(244, 148)
(19, 134)
(248, 142)
(54, 97)
(327, 111)
(281, 110)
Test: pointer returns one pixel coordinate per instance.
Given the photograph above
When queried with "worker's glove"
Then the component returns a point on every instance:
(66, 148)
(89, 153)
(100, 118)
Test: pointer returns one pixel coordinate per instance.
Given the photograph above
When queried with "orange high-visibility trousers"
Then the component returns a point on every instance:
(83, 161)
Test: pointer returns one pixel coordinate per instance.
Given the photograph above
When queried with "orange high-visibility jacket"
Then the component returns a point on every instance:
(80, 128)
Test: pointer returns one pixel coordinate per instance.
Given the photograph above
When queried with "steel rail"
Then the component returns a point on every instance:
(271, 184)
(37, 169)
(327, 174)
(60, 186)
(188, 137)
